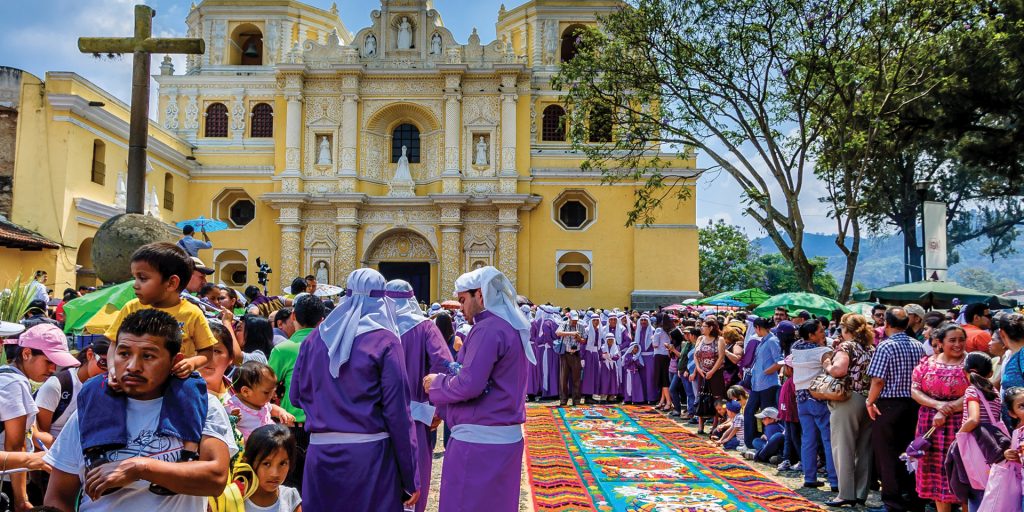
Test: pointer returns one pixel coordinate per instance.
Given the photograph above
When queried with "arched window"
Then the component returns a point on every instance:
(569, 38)
(168, 191)
(409, 136)
(553, 124)
(99, 167)
(216, 120)
(262, 120)
(601, 124)
(246, 47)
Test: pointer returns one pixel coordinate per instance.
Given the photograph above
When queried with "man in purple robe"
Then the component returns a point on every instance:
(591, 358)
(484, 399)
(350, 380)
(547, 322)
(425, 352)
(644, 333)
(533, 374)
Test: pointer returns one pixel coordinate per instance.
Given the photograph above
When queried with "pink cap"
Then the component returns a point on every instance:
(51, 341)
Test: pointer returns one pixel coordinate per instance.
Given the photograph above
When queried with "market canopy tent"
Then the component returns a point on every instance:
(814, 304)
(937, 295)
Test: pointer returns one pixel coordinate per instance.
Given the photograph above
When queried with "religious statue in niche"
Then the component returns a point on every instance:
(404, 34)
(480, 158)
(322, 275)
(435, 44)
(402, 185)
(370, 47)
(324, 155)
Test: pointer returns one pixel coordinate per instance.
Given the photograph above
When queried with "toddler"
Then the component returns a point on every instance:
(254, 386)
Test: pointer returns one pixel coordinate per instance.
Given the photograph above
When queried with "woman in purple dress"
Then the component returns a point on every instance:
(632, 376)
(610, 371)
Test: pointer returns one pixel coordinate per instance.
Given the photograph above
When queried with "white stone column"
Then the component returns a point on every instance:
(451, 258)
(293, 133)
(349, 135)
(451, 181)
(290, 251)
(508, 130)
(508, 242)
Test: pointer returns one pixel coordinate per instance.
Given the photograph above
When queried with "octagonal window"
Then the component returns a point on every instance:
(242, 212)
(574, 210)
(572, 269)
(572, 279)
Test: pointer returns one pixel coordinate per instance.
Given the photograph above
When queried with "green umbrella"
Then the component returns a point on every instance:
(862, 308)
(78, 312)
(937, 295)
(793, 302)
(751, 296)
(716, 296)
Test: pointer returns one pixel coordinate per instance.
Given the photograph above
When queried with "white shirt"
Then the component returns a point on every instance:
(40, 291)
(143, 417)
(16, 400)
(287, 500)
(48, 397)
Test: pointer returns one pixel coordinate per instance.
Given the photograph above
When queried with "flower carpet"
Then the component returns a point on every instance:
(612, 459)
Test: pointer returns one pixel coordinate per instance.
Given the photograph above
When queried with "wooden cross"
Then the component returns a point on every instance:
(142, 45)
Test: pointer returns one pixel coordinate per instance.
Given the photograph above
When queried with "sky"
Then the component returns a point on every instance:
(41, 36)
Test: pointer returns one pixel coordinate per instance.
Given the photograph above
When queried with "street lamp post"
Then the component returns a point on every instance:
(922, 188)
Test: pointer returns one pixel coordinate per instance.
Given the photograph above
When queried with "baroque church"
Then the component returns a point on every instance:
(398, 145)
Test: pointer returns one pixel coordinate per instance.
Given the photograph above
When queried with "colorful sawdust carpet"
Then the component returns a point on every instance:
(633, 459)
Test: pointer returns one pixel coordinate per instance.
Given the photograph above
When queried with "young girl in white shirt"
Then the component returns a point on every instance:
(269, 451)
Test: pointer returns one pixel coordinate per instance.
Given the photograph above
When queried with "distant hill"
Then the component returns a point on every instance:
(881, 259)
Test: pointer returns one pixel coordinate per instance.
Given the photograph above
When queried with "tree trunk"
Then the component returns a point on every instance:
(803, 269)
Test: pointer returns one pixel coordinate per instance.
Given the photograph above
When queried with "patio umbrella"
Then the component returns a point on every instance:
(937, 295)
(716, 296)
(793, 302)
(728, 303)
(203, 224)
(96, 311)
(327, 290)
(451, 304)
(687, 302)
(675, 307)
(861, 308)
(750, 296)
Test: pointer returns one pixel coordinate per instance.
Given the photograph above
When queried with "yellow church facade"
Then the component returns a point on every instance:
(396, 146)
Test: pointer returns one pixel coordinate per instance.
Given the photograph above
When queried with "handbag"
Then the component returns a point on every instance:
(1003, 490)
(996, 439)
(827, 387)
(705, 402)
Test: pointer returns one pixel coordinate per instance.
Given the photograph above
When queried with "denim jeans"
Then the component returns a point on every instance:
(765, 449)
(974, 498)
(105, 426)
(757, 402)
(791, 448)
(731, 444)
(814, 418)
(691, 396)
(676, 391)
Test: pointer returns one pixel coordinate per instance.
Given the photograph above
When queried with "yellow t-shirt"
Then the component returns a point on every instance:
(195, 331)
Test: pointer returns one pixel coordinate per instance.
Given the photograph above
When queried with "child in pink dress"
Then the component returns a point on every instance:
(255, 385)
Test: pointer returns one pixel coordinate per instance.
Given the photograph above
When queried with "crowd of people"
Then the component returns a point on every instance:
(198, 397)
(865, 402)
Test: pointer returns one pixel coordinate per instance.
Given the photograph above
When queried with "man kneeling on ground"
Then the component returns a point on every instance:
(147, 347)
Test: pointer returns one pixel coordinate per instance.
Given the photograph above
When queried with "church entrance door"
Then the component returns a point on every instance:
(416, 273)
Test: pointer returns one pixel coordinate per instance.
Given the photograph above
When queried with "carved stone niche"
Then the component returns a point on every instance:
(479, 252)
(474, 131)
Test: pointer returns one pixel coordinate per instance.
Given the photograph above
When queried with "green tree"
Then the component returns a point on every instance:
(780, 277)
(728, 261)
(983, 280)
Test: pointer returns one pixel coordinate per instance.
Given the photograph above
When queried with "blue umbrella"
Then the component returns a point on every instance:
(727, 303)
(204, 224)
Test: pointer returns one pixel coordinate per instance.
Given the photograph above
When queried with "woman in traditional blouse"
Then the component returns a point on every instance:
(849, 422)
(710, 356)
(939, 383)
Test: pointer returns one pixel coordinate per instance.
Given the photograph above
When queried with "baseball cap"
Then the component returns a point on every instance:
(733, 406)
(785, 327)
(914, 309)
(11, 329)
(37, 306)
(574, 316)
(200, 266)
(768, 412)
(51, 341)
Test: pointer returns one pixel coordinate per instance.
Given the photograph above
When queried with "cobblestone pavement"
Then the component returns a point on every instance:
(792, 480)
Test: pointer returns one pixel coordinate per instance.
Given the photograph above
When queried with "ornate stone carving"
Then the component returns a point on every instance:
(480, 109)
(272, 42)
(450, 260)
(398, 87)
(480, 216)
(171, 114)
(508, 249)
(403, 246)
(290, 185)
(192, 113)
(291, 158)
(238, 116)
(345, 254)
(480, 188)
(450, 213)
(217, 40)
(508, 158)
(319, 215)
(290, 251)
(319, 232)
(322, 86)
(508, 216)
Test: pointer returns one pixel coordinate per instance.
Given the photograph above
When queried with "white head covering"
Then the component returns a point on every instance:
(407, 311)
(499, 298)
(364, 308)
(639, 358)
(549, 313)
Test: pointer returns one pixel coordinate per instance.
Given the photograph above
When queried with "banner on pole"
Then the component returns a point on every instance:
(935, 241)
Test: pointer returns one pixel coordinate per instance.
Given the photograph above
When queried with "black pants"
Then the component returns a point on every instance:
(298, 462)
(890, 435)
(570, 373)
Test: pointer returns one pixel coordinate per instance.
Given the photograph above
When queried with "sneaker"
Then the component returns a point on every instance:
(784, 465)
(775, 459)
(749, 454)
(797, 467)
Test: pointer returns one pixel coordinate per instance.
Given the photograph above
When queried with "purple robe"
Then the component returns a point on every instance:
(533, 375)
(425, 352)
(643, 336)
(609, 374)
(547, 359)
(632, 381)
(370, 396)
(591, 357)
(489, 390)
